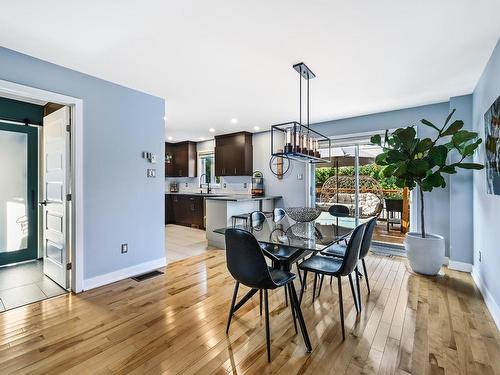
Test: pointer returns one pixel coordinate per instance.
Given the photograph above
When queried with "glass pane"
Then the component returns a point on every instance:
(13, 191)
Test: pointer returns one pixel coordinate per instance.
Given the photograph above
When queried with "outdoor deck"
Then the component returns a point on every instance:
(393, 236)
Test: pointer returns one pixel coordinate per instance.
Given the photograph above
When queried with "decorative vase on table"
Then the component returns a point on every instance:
(420, 162)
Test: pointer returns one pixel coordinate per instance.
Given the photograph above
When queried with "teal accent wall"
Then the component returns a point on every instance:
(15, 110)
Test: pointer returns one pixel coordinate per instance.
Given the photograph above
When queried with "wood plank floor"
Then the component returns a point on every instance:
(175, 323)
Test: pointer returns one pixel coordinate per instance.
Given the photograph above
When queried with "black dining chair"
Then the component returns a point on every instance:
(339, 210)
(339, 252)
(247, 265)
(336, 267)
(278, 214)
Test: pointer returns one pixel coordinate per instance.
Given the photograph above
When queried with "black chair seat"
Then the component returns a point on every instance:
(322, 264)
(335, 250)
(282, 252)
(281, 277)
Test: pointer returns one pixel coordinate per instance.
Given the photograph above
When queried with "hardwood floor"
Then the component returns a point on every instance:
(183, 242)
(394, 235)
(175, 323)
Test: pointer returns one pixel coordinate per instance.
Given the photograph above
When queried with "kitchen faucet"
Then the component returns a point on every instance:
(209, 190)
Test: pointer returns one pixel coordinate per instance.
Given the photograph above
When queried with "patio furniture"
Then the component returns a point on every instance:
(394, 209)
(341, 190)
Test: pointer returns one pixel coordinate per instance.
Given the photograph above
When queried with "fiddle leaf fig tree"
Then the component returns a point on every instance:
(421, 162)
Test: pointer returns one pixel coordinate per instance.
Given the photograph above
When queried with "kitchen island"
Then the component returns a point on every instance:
(221, 209)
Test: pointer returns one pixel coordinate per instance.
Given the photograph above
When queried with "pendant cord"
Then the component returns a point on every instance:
(300, 99)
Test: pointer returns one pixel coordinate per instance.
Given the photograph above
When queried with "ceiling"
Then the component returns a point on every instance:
(214, 61)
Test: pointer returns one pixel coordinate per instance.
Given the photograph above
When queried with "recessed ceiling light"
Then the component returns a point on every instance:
(256, 128)
(234, 121)
(169, 138)
(211, 130)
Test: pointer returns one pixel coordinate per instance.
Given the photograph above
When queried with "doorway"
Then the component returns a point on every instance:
(34, 209)
(353, 179)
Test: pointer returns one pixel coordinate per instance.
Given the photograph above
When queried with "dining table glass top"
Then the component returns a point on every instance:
(315, 235)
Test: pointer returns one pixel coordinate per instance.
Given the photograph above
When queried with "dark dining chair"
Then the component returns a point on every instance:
(336, 267)
(339, 210)
(340, 250)
(247, 265)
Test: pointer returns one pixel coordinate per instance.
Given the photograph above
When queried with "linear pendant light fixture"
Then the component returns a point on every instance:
(296, 140)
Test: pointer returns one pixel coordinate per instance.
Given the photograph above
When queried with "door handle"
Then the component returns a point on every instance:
(43, 203)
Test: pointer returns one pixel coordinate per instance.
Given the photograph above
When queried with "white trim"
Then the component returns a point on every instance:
(488, 298)
(124, 273)
(459, 266)
(77, 245)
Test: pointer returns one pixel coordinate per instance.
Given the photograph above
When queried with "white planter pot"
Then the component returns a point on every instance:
(425, 255)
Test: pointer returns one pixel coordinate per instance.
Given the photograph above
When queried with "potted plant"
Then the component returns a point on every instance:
(416, 162)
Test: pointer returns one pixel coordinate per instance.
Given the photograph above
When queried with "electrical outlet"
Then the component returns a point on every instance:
(245, 185)
(480, 256)
(224, 185)
(124, 248)
(300, 176)
(151, 173)
(186, 185)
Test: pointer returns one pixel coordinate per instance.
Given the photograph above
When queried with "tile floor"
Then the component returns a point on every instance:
(25, 283)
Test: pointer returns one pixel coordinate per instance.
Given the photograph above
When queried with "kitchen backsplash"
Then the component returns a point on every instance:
(233, 185)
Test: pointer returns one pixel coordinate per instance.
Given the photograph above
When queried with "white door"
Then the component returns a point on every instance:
(55, 195)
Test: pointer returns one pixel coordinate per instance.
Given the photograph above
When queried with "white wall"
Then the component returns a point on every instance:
(486, 206)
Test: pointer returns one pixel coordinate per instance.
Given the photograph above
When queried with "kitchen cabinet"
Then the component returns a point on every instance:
(187, 210)
(180, 159)
(234, 154)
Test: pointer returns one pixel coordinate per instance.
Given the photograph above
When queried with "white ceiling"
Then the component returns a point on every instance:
(222, 59)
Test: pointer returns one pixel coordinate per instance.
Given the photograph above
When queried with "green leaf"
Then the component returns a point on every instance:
(449, 117)
(393, 156)
(438, 155)
(453, 128)
(463, 136)
(418, 167)
(450, 169)
(470, 166)
(381, 159)
(434, 179)
(406, 136)
(423, 145)
(401, 169)
(389, 170)
(428, 123)
(376, 139)
(469, 149)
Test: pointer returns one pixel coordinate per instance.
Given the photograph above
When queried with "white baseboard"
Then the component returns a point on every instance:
(124, 273)
(459, 266)
(488, 298)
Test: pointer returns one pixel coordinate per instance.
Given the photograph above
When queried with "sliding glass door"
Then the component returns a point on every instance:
(18, 193)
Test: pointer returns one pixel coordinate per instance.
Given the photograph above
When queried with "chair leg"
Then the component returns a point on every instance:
(354, 296)
(289, 286)
(300, 318)
(233, 302)
(268, 334)
(286, 297)
(304, 283)
(341, 306)
(366, 275)
(314, 288)
(358, 288)
(298, 273)
(321, 284)
(260, 298)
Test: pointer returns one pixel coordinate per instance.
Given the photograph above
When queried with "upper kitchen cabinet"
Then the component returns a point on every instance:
(233, 154)
(180, 159)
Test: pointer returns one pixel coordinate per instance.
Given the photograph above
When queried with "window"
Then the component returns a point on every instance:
(207, 168)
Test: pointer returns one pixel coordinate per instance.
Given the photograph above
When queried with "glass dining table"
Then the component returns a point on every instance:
(286, 242)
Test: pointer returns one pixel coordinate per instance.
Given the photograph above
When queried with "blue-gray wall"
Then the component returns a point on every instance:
(121, 204)
(486, 207)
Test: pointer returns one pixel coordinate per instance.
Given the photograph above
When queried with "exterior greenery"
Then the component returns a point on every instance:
(420, 162)
(372, 170)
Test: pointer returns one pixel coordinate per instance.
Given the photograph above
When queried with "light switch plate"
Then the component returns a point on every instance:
(124, 248)
(151, 173)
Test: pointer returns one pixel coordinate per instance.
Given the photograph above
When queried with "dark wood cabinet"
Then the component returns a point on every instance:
(234, 154)
(180, 159)
(187, 210)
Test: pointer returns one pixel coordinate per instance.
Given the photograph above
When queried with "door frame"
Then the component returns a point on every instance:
(76, 227)
(32, 177)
